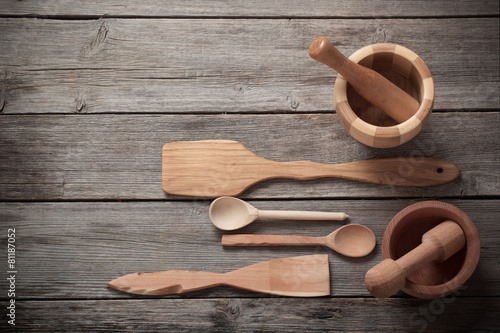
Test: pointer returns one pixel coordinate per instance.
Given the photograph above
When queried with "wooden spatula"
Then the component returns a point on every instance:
(305, 276)
(216, 168)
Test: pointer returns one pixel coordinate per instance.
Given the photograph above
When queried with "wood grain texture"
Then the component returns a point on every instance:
(438, 244)
(119, 157)
(303, 276)
(370, 84)
(366, 122)
(253, 8)
(69, 250)
(230, 213)
(353, 240)
(454, 314)
(226, 65)
(90, 91)
(409, 229)
(214, 168)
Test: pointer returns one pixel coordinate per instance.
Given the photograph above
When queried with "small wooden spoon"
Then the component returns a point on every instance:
(352, 240)
(377, 90)
(228, 213)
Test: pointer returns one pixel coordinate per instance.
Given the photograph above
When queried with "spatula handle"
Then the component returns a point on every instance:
(269, 240)
(167, 282)
(371, 85)
(301, 215)
(401, 171)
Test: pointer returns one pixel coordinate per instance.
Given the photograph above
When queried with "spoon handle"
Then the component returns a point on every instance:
(270, 240)
(301, 215)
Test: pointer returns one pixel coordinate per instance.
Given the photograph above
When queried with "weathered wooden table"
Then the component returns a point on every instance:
(90, 91)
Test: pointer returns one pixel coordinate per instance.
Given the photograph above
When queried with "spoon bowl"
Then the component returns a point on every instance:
(352, 240)
(228, 213)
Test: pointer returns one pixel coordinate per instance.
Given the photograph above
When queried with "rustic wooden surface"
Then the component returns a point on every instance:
(90, 91)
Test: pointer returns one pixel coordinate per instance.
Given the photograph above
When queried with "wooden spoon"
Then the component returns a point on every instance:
(439, 243)
(377, 90)
(216, 168)
(352, 240)
(305, 276)
(228, 213)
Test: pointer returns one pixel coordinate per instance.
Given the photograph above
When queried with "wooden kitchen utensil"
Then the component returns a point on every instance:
(435, 279)
(305, 276)
(214, 168)
(352, 240)
(229, 213)
(378, 90)
(438, 244)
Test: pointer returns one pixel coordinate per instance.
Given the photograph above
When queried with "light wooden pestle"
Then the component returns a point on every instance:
(377, 90)
(438, 244)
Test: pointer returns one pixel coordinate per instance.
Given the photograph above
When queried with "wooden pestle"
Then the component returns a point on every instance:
(375, 88)
(439, 243)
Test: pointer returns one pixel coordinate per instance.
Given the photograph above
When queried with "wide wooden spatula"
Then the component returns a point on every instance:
(215, 168)
(305, 276)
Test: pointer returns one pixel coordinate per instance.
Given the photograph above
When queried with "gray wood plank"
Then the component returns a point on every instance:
(254, 8)
(259, 315)
(226, 65)
(69, 250)
(119, 157)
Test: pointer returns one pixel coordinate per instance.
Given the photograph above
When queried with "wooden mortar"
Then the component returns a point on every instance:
(367, 123)
(436, 279)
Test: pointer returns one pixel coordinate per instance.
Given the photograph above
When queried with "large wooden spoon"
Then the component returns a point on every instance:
(216, 168)
(228, 213)
(305, 276)
(377, 90)
(352, 240)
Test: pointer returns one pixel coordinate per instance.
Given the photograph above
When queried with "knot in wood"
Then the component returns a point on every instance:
(100, 37)
(230, 310)
(80, 103)
(328, 313)
(2, 101)
(294, 101)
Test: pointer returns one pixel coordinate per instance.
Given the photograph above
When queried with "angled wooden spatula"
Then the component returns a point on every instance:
(214, 168)
(305, 276)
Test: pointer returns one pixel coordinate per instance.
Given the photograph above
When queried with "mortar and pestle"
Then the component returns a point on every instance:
(384, 93)
(430, 250)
